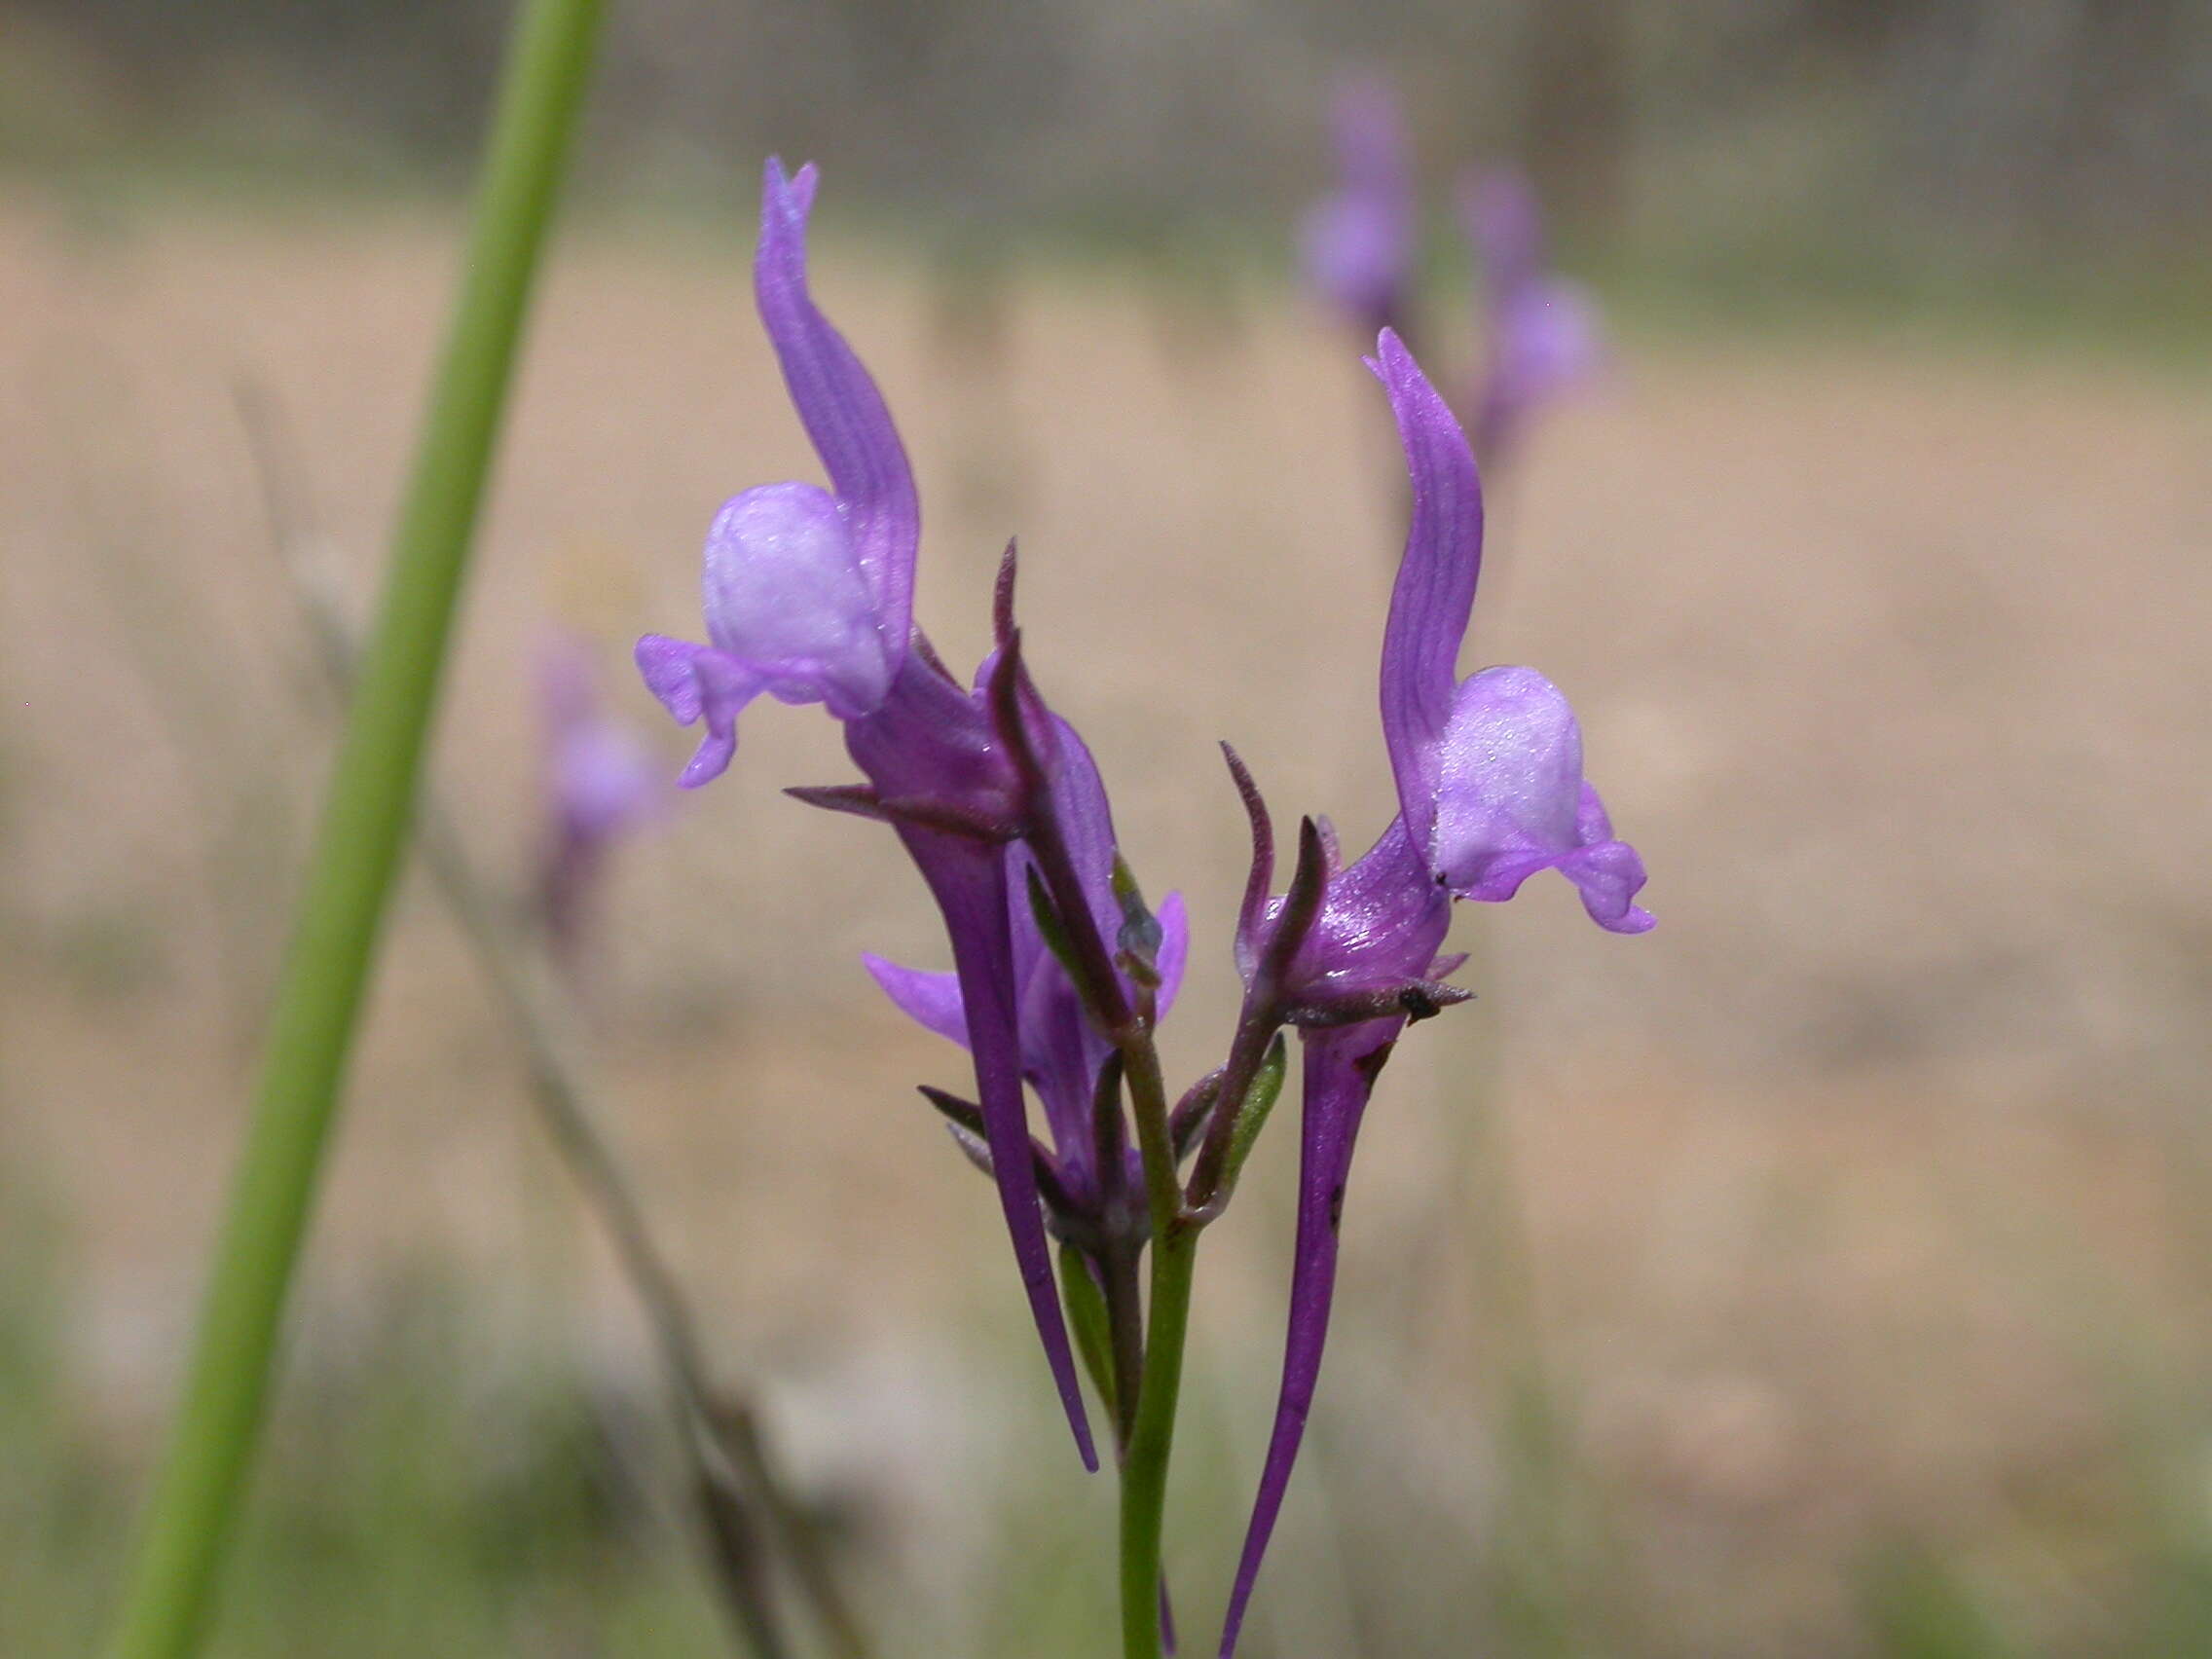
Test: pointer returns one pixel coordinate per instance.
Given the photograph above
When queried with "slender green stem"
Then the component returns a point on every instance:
(1174, 1233)
(1144, 1470)
(364, 826)
(1152, 1438)
(1125, 1324)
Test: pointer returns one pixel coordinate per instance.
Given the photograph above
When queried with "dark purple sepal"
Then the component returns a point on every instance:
(930, 749)
(1002, 593)
(1341, 1068)
(948, 818)
(966, 1120)
(968, 880)
(964, 1113)
(1252, 912)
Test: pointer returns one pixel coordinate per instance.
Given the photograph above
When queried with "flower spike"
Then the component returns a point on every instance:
(1359, 241)
(1544, 332)
(1491, 790)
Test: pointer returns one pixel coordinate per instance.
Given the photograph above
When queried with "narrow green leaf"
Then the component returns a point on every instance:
(1252, 1115)
(1088, 1318)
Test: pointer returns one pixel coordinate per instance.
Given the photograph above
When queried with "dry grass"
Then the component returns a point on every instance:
(1866, 1195)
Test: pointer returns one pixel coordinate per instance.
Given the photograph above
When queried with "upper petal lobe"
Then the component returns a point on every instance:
(1435, 590)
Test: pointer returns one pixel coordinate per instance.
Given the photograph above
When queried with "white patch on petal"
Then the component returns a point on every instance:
(1510, 774)
(785, 594)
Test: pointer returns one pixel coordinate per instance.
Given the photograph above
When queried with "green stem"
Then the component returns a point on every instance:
(1152, 1438)
(364, 826)
(1144, 1470)
(1125, 1325)
(1174, 1233)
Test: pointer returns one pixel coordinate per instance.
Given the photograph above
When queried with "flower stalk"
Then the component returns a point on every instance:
(1060, 971)
(189, 1520)
(1152, 1440)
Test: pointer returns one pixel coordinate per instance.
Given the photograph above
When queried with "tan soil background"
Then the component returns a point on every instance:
(1890, 654)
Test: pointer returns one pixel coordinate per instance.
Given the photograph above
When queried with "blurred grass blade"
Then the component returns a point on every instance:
(364, 826)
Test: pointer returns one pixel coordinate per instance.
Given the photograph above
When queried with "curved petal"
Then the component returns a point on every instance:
(1435, 590)
(1609, 875)
(840, 407)
(930, 1000)
(784, 593)
(1174, 949)
(697, 682)
(1512, 802)
(1086, 821)
(1340, 1067)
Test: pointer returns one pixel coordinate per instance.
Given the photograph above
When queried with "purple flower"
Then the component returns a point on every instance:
(1062, 1052)
(1491, 790)
(1544, 338)
(809, 598)
(1359, 240)
(601, 783)
(808, 592)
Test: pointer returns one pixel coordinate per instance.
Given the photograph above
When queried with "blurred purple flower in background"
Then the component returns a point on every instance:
(1542, 331)
(809, 597)
(1359, 241)
(1491, 790)
(601, 785)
